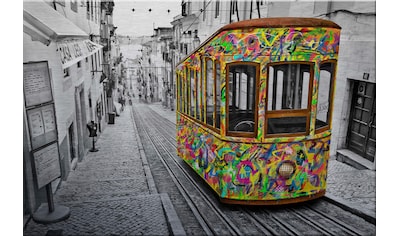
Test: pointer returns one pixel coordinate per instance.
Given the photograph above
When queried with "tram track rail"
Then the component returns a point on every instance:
(266, 221)
(208, 226)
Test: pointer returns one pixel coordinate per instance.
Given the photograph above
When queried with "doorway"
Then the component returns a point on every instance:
(71, 143)
(362, 126)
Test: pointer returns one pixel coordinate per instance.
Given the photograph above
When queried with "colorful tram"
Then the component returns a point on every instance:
(254, 109)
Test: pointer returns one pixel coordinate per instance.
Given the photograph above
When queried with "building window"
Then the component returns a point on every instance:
(95, 11)
(217, 8)
(79, 64)
(233, 10)
(66, 72)
(91, 10)
(184, 8)
(88, 10)
(99, 60)
(92, 62)
(74, 5)
(95, 61)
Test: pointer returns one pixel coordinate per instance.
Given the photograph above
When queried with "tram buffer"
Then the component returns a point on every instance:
(92, 133)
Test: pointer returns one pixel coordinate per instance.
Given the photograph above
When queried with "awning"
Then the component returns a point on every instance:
(41, 17)
(72, 51)
(45, 24)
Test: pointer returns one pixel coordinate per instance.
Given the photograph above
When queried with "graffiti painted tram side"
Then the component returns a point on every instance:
(254, 109)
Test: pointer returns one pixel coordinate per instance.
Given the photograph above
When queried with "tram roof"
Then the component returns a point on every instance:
(281, 22)
(272, 22)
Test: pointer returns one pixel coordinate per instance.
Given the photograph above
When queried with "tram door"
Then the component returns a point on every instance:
(362, 127)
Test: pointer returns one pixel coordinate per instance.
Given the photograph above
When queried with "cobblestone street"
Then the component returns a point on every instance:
(352, 187)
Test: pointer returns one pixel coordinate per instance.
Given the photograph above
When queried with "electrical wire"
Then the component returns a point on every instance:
(349, 12)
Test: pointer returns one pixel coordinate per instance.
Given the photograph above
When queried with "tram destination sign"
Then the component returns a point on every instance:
(47, 164)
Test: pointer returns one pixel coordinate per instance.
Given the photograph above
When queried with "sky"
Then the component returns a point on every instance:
(141, 21)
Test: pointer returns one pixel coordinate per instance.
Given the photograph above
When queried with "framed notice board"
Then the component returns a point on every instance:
(47, 164)
(42, 125)
(37, 85)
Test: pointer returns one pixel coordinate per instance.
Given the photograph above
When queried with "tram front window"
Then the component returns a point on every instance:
(288, 98)
(242, 98)
(324, 95)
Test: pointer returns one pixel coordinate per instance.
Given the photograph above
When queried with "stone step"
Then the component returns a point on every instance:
(355, 160)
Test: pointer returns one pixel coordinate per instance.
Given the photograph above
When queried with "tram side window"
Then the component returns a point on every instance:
(184, 92)
(218, 95)
(192, 92)
(179, 92)
(209, 92)
(242, 97)
(288, 98)
(198, 96)
(184, 79)
(187, 95)
(324, 95)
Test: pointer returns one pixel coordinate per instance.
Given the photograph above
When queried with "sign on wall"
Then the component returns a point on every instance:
(47, 165)
(37, 86)
(72, 51)
(42, 125)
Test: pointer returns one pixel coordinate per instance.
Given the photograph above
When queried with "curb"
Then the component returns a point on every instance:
(368, 215)
(174, 223)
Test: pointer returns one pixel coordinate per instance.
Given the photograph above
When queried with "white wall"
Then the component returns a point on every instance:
(357, 56)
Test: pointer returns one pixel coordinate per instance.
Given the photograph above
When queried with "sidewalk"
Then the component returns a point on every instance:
(111, 192)
(353, 189)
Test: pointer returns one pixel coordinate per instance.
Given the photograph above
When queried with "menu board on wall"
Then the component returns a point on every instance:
(42, 125)
(37, 86)
(47, 164)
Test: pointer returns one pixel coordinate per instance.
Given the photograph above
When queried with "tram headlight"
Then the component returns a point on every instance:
(286, 169)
